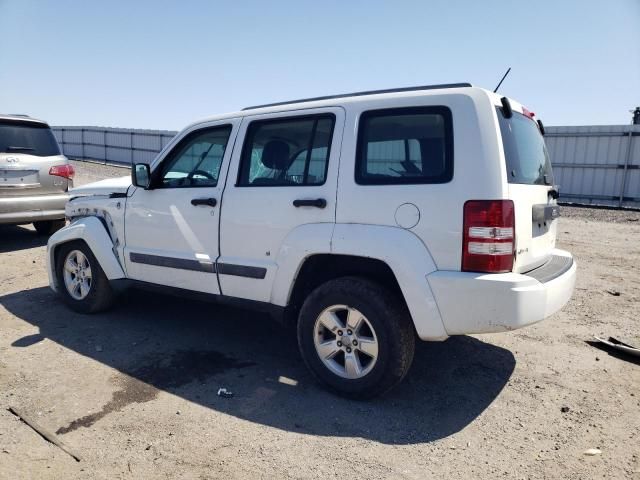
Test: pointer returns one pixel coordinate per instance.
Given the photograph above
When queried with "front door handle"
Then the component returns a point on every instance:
(212, 202)
(318, 203)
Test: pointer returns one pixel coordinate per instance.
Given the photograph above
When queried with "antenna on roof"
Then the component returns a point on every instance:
(505, 76)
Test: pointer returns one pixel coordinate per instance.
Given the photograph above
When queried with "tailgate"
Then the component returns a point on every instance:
(536, 224)
(530, 188)
(29, 175)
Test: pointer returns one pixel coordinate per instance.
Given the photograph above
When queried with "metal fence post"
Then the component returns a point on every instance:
(626, 167)
(82, 141)
(104, 140)
(131, 145)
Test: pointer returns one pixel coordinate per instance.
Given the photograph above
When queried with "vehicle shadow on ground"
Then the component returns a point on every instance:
(190, 349)
(14, 238)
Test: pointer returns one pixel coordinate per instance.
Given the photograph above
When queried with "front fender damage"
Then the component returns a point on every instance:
(95, 231)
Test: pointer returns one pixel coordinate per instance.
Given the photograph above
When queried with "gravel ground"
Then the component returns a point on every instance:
(600, 214)
(87, 172)
(133, 391)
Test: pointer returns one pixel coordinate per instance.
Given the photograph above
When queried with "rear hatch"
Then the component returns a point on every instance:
(531, 188)
(28, 150)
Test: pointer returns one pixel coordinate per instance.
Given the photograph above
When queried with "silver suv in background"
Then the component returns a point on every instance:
(34, 175)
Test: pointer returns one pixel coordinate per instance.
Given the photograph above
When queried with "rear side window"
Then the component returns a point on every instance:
(29, 138)
(405, 146)
(287, 152)
(525, 153)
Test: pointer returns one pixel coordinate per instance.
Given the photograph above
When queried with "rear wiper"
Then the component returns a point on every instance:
(11, 148)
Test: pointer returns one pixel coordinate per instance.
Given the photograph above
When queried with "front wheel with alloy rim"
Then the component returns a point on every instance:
(81, 281)
(356, 337)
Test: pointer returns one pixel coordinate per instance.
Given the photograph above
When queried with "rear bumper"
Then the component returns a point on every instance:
(32, 208)
(487, 303)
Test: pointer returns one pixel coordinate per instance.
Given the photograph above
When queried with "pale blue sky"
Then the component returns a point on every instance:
(161, 64)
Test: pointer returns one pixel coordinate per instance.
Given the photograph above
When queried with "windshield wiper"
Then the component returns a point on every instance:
(12, 148)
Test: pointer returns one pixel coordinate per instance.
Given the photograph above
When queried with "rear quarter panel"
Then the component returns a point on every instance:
(477, 173)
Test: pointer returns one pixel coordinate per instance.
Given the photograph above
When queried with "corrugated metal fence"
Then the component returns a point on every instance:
(596, 164)
(112, 145)
(592, 164)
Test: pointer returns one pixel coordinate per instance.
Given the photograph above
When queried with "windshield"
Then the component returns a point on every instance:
(29, 138)
(524, 150)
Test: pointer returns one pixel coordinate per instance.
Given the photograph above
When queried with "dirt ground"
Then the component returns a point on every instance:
(133, 391)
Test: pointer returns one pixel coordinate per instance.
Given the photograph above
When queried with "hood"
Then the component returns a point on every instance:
(103, 187)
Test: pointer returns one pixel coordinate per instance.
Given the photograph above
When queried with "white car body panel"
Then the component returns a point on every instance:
(440, 205)
(415, 229)
(301, 243)
(487, 303)
(410, 262)
(103, 187)
(162, 223)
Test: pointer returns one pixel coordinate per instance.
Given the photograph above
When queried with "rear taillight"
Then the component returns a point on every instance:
(65, 171)
(488, 236)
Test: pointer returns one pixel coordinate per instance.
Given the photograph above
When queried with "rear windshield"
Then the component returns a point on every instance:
(28, 138)
(524, 150)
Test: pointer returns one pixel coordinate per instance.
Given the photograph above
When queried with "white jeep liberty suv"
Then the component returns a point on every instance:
(366, 219)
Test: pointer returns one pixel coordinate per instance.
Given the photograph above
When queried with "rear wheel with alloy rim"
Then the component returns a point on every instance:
(345, 341)
(356, 337)
(81, 281)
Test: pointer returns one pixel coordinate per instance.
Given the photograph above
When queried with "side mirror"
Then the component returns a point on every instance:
(141, 175)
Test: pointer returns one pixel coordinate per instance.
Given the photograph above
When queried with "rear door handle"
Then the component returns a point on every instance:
(318, 203)
(212, 202)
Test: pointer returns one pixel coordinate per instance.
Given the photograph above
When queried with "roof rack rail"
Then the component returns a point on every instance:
(18, 115)
(360, 94)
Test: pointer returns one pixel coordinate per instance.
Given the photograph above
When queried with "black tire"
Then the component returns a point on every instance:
(390, 319)
(48, 227)
(100, 296)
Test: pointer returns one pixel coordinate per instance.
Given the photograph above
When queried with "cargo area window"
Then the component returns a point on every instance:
(405, 146)
(27, 137)
(287, 151)
(527, 160)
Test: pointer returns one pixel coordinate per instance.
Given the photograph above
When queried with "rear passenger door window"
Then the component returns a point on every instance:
(281, 187)
(405, 146)
(287, 152)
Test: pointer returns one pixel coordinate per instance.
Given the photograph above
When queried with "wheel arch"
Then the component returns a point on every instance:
(393, 257)
(320, 268)
(93, 233)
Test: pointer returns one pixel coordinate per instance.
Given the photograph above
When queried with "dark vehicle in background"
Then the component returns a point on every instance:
(34, 175)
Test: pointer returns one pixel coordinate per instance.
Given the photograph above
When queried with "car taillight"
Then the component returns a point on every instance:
(66, 171)
(488, 236)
